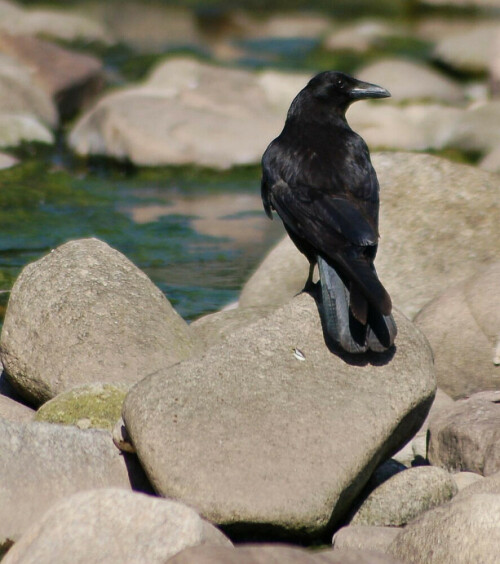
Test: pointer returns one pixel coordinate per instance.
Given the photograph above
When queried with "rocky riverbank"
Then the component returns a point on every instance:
(127, 435)
(247, 417)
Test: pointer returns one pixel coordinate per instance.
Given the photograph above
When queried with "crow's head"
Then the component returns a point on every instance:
(341, 89)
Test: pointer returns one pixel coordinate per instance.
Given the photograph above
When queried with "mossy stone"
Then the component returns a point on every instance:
(96, 405)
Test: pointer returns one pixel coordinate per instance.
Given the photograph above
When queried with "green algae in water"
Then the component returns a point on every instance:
(42, 206)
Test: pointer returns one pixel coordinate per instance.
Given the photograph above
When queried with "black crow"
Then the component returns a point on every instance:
(318, 176)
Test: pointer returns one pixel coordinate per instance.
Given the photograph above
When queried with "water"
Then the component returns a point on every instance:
(198, 234)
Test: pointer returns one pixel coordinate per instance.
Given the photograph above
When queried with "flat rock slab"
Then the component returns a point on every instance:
(85, 313)
(461, 532)
(265, 443)
(41, 463)
(186, 112)
(466, 436)
(107, 526)
(407, 80)
(406, 495)
(273, 554)
(463, 328)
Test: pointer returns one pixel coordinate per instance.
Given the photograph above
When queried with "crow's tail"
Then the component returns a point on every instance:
(354, 336)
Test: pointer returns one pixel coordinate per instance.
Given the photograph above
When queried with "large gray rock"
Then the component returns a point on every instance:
(463, 327)
(186, 112)
(71, 79)
(12, 410)
(408, 80)
(244, 433)
(469, 51)
(404, 496)
(107, 526)
(41, 463)
(425, 202)
(217, 327)
(272, 554)
(152, 30)
(84, 313)
(365, 537)
(21, 95)
(461, 532)
(488, 485)
(466, 436)
(477, 129)
(413, 127)
(53, 22)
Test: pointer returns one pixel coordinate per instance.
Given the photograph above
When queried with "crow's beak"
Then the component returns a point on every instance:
(366, 90)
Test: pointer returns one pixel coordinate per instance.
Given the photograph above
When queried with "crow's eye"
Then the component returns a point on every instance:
(340, 83)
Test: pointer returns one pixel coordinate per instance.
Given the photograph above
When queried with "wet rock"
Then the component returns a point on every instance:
(7, 161)
(71, 79)
(82, 314)
(42, 463)
(407, 80)
(404, 496)
(186, 112)
(461, 532)
(463, 325)
(21, 96)
(419, 254)
(365, 537)
(270, 554)
(469, 51)
(52, 22)
(100, 404)
(12, 410)
(466, 436)
(253, 408)
(109, 526)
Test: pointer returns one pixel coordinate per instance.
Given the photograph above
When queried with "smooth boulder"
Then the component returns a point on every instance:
(84, 313)
(461, 532)
(186, 112)
(41, 463)
(463, 327)
(109, 525)
(466, 436)
(244, 433)
(272, 554)
(404, 496)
